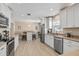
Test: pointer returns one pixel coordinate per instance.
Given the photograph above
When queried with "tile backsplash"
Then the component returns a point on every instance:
(73, 31)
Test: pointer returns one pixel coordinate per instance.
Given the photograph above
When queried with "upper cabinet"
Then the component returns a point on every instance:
(69, 16)
(5, 15)
(76, 15)
(63, 20)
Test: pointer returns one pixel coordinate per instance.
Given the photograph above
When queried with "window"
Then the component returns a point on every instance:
(56, 24)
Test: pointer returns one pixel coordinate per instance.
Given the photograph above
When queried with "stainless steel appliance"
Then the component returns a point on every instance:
(58, 44)
(10, 47)
(42, 39)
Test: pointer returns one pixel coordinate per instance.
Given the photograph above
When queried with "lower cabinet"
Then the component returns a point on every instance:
(49, 40)
(3, 50)
(70, 45)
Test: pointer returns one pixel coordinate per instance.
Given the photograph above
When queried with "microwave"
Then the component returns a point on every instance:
(3, 21)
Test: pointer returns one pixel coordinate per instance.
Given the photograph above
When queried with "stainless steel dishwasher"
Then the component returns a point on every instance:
(58, 44)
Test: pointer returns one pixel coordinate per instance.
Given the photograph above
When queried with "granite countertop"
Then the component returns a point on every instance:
(74, 37)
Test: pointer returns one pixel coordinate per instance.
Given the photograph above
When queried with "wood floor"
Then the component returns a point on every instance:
(34, 48)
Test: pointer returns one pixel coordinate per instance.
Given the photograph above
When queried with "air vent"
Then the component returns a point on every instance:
(29, 14)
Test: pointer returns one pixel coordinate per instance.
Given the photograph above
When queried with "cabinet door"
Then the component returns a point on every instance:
(70, 20)
(76, 15)
(63, 20)
(52, 41)
(49, 40)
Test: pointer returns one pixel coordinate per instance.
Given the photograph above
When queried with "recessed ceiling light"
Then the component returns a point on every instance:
(51, 9)
(29, 14)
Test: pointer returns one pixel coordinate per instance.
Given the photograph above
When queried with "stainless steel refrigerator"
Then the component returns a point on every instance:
(42, 38)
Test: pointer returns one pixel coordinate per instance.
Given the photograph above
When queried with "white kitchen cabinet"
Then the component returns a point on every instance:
(46, 39)
(76, 15)
(49, 40)
(3, 50)
(70, 17)
(63, 20)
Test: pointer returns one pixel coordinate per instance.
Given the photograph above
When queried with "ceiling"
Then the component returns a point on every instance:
(37, 10)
